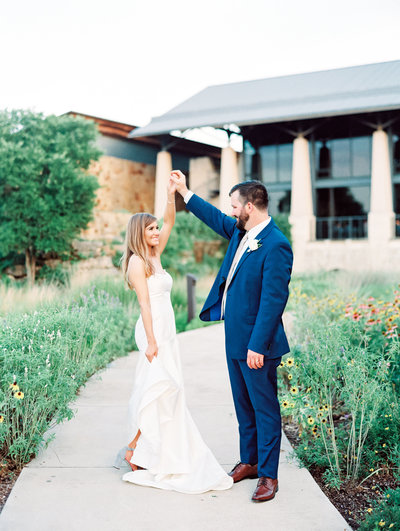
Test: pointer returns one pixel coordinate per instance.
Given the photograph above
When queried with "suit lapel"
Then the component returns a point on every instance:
(228, 262)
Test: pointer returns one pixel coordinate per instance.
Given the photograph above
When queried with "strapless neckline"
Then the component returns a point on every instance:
(159, 273)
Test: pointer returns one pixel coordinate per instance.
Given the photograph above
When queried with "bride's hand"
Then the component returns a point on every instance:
(151, 351)
(171, 187)
(180, 180)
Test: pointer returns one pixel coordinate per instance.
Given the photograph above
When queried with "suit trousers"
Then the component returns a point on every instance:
(258, 412)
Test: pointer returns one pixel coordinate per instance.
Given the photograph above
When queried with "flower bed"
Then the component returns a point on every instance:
(340, 386)
(45, 356)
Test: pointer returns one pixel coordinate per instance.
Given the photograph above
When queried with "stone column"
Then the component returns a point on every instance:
(229, 177)
(163, 171)
(381, 217)
(302, 216)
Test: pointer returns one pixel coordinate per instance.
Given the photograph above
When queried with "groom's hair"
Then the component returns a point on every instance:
(252, 192)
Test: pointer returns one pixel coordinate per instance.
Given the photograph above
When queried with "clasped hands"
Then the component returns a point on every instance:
(179, 179)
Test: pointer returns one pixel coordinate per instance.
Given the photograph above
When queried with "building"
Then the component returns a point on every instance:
(127, 172)
(327, 146)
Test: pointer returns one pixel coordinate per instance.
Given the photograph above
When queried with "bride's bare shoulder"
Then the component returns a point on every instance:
(136, 266)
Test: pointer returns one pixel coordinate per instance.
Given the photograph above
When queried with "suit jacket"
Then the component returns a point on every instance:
(259, 289)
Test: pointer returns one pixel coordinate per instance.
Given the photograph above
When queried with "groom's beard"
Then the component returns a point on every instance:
(242, 220)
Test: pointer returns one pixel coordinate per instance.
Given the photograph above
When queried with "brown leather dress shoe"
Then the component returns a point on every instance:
(266, 489)
(242, 471)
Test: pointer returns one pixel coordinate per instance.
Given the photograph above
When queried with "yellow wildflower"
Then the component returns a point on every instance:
(290, 376)
(1, 419)
(294, 390)
(19, 395)
(289, 362)
(310, 420)
(381, 523)
(14, 386)
(369, 510)
(285, 404)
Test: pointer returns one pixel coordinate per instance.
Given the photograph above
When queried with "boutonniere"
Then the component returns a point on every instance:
(254, 245)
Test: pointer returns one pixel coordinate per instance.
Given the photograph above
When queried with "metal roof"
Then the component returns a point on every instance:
(356, 89)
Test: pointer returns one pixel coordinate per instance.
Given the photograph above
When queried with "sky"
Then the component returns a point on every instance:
(129, 60)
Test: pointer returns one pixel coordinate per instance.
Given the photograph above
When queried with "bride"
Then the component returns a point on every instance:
(166, 449)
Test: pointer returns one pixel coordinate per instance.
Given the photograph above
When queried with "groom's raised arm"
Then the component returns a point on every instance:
(209, 214)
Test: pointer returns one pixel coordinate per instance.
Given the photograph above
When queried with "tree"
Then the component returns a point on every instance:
(46, 195)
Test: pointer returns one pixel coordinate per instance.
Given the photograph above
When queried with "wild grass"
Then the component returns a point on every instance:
(343, 284)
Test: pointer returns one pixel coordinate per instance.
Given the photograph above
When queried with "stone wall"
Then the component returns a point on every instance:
(126, 187)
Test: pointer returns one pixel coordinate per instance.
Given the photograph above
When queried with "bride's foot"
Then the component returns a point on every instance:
(128, 457)
(125, 454)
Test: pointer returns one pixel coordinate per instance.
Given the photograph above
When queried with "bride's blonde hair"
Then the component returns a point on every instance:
(135, 243)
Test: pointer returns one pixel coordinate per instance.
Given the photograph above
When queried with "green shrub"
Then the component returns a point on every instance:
(384, 514)
(58, 275)
(340, 385)
(46, 356)
(178, 257)
(116, 259)
(282, 220)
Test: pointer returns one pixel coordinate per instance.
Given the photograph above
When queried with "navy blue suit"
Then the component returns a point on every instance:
(256, 299)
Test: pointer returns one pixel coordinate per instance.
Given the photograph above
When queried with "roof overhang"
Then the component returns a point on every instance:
(355, 90)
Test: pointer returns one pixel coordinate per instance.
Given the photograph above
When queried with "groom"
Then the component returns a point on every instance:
(250, 294)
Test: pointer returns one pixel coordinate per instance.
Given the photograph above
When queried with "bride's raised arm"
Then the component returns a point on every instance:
(169, 216)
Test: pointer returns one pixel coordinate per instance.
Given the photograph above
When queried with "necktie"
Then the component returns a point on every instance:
(234, 264)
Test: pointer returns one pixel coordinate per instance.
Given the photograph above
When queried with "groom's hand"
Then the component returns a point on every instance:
(254, 360)
(180, 181)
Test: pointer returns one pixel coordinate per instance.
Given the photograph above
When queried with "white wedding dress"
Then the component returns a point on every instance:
(170, 446)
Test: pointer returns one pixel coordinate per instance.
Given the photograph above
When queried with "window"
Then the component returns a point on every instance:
(279, 202)
(285, 157)
(396, 155)
(269, 168)
(342, 212)
(340, 156)
(361, 156)
(346, 201)
(276, 163)
(343, 158)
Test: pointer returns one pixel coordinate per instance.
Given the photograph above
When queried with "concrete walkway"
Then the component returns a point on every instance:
(72, 485)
